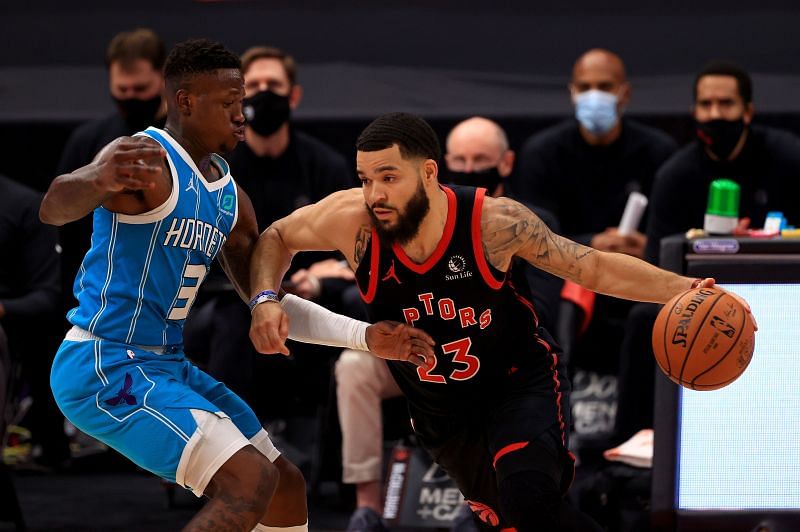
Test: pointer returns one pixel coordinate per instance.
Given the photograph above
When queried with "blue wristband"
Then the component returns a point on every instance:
(263, 297)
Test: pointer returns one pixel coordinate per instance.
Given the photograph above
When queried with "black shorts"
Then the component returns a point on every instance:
(524, 429)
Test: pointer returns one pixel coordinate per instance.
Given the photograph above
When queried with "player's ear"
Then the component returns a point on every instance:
(183, 102)
(430, 169)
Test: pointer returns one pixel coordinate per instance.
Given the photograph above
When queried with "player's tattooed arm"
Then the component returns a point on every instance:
(510, 229)
(363, 237)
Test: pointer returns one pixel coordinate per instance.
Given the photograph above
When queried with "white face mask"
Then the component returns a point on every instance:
(596, 110)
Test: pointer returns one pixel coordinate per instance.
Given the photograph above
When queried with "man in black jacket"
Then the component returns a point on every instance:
(764, 161)
(583, 170)
(30, 291)
(281, 169)
(134, 60)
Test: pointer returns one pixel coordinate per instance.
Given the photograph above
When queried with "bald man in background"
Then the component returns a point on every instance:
(478, 155)
(583, 170)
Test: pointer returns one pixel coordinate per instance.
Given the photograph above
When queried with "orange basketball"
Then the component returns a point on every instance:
(703, 339)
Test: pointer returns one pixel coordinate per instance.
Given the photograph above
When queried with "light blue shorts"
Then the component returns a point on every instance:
(147, 406)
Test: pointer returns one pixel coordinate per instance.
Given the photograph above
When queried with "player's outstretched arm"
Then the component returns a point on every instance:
(336, 222)
(508, 228)
(120, 178)
(314, 324)
(321, 226)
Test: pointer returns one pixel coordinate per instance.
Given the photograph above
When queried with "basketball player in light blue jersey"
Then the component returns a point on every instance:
(165, 205)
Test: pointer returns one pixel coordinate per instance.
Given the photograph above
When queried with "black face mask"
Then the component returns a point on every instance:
(489, 179)
(266, 112)
(137, 113)
(720, 136)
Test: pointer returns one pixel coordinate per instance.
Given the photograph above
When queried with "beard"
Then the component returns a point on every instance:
(407, 225)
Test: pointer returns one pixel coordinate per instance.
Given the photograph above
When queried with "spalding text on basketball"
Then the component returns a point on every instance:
(687, 313)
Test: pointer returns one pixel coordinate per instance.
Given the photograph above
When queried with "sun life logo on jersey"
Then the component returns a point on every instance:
(458, 265)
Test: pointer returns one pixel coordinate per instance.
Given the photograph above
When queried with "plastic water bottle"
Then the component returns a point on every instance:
(722, 213)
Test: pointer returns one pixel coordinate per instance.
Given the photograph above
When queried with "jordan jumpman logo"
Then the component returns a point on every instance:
(390, 274)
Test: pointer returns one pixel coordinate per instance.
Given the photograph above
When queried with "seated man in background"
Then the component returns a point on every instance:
(764, 161)
(477, 155)
(30, 291)
(583, 170)
(135, 60)
(29, 331)
(280, 169)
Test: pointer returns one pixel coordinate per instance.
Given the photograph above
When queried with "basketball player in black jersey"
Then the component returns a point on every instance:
(489, 408)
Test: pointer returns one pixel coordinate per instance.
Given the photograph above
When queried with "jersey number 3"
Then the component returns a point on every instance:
(460, 351)
(187, 292)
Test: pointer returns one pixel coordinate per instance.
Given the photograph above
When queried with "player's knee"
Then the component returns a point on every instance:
(292, 484)
(529, 500)
(249, 478)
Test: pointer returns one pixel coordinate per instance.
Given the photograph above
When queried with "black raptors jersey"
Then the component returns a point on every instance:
(482, 320)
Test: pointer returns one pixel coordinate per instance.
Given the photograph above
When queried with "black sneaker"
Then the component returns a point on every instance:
(366, 520)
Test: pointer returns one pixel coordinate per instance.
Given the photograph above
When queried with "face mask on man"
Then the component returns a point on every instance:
(138, 113)
(720, 136)
(489, 179)
(266, 112)
(596, 110)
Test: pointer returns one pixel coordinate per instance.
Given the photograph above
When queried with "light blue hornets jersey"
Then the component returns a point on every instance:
(140, 277)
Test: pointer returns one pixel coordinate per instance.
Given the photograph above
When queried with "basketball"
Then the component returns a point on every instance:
(703, 339)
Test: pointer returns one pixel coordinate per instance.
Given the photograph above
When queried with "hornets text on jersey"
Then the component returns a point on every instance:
(139, 279)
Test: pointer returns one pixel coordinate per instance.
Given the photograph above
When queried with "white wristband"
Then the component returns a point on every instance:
(314, 324)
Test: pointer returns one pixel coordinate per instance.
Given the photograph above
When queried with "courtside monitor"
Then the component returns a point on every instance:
(729, 460)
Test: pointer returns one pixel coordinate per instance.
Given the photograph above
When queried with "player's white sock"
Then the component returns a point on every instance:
(264, 528)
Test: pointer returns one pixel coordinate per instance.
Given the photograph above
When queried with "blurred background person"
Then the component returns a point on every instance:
(134, 61)
(583, 170)
(281, 169)
(764, 161)
(30, 321)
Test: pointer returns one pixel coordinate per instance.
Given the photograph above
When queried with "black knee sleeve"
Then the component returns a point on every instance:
(529, 501)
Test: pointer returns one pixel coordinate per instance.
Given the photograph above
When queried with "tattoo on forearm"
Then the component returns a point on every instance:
(363, 238)
(511, 229)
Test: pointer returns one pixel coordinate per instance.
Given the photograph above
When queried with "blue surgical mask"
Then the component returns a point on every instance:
(596, 111)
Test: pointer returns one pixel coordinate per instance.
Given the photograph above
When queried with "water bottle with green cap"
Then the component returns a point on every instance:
(722, 213)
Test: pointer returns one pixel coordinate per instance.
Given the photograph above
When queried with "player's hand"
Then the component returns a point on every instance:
(269, 329)
(710, 282)
(131, 163)
(397, 341)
